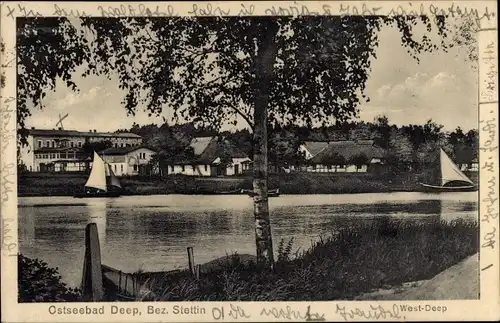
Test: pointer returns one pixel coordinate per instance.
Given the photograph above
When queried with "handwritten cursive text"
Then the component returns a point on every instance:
(374, 312)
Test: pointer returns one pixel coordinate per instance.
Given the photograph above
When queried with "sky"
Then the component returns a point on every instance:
(441, 87)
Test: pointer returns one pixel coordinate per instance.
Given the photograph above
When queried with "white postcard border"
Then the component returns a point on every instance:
(487, 308)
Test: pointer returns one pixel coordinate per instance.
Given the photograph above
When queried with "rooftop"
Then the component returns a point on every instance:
(121, 150)
(74, 133)
(315, 147)
(347, 149)
(199, 144)
(208, 149)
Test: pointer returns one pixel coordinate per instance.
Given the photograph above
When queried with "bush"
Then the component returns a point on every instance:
(37, 282)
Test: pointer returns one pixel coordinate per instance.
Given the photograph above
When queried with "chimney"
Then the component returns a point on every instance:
(90, 130)
(95, 131)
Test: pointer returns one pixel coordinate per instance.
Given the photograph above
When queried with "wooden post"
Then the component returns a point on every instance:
(92, 288)
(197, 272)
(191, 260)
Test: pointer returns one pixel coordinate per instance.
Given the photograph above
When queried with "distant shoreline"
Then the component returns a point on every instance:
(46, 184)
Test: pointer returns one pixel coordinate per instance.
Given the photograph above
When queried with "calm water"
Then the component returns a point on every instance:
(152, 232)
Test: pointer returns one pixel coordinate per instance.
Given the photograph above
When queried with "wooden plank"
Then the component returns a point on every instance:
(92, 287)
(125, 283)
(191, 260)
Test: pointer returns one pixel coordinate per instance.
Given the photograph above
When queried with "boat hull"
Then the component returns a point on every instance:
(96, 194)
(436, 189)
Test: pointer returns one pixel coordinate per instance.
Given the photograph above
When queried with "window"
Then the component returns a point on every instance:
(79, 144)
(183, 168)
(114, 166)
(116, 145)
(47, 143)
(121, 168)
(135, 168)
(40, 144)
(206, 168)
(53, 144)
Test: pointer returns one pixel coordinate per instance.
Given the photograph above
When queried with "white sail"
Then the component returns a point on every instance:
(113, 179)
(97, 178)
(450, 171)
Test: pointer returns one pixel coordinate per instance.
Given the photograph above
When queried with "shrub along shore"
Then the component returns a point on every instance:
(40, 184)
(341, 266)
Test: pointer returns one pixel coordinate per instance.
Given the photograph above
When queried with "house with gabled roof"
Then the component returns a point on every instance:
(309, 149)
(341, 156)
(213, 156)
(128, 161)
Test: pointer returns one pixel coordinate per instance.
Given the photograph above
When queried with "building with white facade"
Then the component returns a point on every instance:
(61, 150)
(341, 156)
(128, 161)
(213, 157)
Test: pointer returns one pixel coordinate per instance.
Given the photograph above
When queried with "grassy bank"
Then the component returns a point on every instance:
(39, 184)
(341, 266)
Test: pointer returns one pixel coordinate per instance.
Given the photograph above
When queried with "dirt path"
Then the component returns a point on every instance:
(460, 281)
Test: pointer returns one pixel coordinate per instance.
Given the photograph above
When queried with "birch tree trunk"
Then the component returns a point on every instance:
(266, 55)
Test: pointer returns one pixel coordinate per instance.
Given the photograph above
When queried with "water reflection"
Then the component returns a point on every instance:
(27, 225)
(152, 232)
(97, 210)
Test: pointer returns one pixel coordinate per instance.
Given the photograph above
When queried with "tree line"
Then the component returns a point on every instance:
(407, 146)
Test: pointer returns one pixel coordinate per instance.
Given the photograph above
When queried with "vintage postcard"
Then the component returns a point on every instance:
(249, 161)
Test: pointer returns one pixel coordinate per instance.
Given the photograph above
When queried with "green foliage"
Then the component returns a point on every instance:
(88, 147)
(359, 159)
(283, 147)
(37, 282)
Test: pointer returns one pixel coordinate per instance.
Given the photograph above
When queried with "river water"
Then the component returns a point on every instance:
(151, 233)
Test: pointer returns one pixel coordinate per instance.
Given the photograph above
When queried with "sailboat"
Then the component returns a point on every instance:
(102, 182)
(452, 178)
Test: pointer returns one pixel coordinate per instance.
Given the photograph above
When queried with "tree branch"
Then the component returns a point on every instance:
(245, 117)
